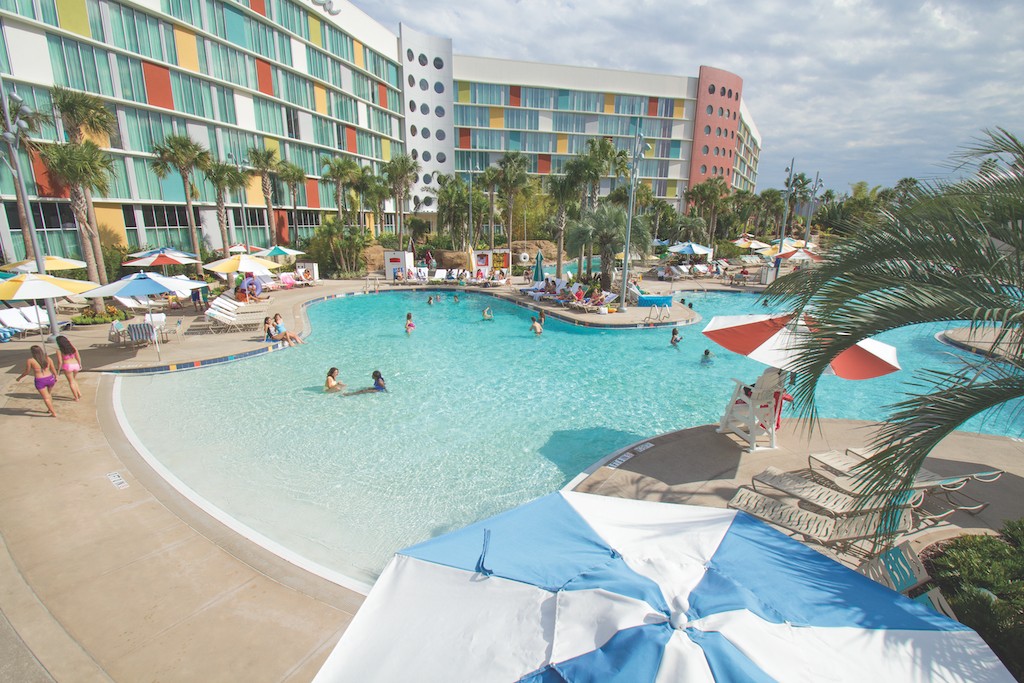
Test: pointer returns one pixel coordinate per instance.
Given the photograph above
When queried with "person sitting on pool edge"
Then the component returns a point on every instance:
(378, 385)
(281, 333)
(332, 384)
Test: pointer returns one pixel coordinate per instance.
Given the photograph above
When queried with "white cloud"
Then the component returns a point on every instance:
(860, 89)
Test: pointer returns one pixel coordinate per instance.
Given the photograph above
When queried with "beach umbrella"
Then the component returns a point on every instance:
(801, 255)
(35, 286)
(161, 259)
(750, 243)
(575, 587)
(776, 340)
(6, 276)
(242, 249)
(162, 250)
(691, 248)
(49, 263)
(538, 268)
(278, 251)
(770, 252)
(242, 263)
(145, 284)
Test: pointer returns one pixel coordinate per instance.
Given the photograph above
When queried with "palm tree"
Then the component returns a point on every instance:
(606, 228)
(376, 194)
(78, 167)
(608, 161)
(489, 181)
(85, 115)
(709, 200)
(186, 156)
(292, 175)
(33, 122)
(512, 179)
(225, 178)
(344, 172)
(564, 189)
(264, 163)
(362, 185)
(401, 174)
(772, 207)
(960, 247)
(452, 205)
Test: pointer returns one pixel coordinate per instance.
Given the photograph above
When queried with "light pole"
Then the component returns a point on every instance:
(472, 167)
(13, 129)
(785, 214)
(818, 184)
(638, 149)
(241, 200)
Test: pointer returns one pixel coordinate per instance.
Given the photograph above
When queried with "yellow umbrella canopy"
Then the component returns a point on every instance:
(49, 262)
(35, 286)
(241, 263)
(770, 251)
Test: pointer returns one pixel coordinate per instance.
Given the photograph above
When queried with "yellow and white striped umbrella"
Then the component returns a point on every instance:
(35, 286)
(49, 262)
(241, 263)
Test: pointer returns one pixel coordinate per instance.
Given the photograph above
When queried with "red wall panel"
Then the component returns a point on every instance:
(312, 193)
(281, 225)
(350, 139)
(158, 85)
(652, 106)
(258, 6)
(543, 163)
(46, 186)
(382, 95)
(464, 138)
(515, 96)
(264, 81)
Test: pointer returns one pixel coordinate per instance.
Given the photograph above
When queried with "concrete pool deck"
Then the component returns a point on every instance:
(106, 574)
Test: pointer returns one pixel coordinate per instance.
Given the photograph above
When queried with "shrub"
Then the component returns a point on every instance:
(110, 315)
(388, 240)
(983, 579)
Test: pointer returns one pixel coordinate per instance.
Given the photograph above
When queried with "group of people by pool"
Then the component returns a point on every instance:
(42, 368)
(332, 385)
(274, 330)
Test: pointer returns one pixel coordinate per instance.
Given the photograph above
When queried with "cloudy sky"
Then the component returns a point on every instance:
(871, 90)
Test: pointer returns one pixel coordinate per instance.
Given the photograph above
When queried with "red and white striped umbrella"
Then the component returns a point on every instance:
(776, 340)
(801, 255)
(165, 259)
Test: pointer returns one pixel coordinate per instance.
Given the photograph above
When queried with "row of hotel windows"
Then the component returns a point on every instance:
(465, 160)
(599, 124)
(546, 143)
(564, 100)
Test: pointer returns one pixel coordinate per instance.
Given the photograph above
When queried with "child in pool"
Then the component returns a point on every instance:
(378, 385)
(707, 358)
(487, 314)
(675, 338)
(409, 324)
(41, 367)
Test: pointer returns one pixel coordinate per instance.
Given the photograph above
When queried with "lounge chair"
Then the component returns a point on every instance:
(141, 334)
(755, 410)
(36, 315)
(72, 305)
(839, 469)
(833, 532)
(536, 287)
(226, 322)
(130, 303)
(287, 281)
(268, 283)
(831, 501)
(11, 319)
(441, 274)
(118, 333)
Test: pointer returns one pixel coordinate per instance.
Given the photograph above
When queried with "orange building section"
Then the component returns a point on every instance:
(543, 163)
(264, 80)
(382, 95)
(350, 139)
(281, 225)
(464, 138)
(158, 85)
(515, 96)
(312, 193)
(258, 6)
(652, 106)
(46, 186)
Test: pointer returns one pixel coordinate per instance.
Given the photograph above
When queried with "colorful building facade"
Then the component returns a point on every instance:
(315, 79)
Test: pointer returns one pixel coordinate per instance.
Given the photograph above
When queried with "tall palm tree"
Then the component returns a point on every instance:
(564, 190)
(344, 172)
(606, 228)
(184, 155)
(772, 206)
(376, 194)
(264, 163)
(225, 178)
(84, 115)
(512, 179)
(292, 175)
(960, 248)
(608, 161)
(401, 174)
(78, 167)
(709, 200)
(489, 181)
(33, 122)
(362, 185)
(799, 191)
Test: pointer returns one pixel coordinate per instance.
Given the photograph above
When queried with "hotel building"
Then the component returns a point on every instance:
(310, 79)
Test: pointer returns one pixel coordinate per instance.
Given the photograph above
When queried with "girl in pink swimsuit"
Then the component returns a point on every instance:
(41, 367)
(70, 363)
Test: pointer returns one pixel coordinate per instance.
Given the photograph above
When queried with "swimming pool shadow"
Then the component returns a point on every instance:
(573, 450)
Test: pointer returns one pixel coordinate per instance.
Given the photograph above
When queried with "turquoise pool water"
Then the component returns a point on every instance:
(480, 416)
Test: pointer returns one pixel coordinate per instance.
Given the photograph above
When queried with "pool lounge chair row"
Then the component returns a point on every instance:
(26, 320)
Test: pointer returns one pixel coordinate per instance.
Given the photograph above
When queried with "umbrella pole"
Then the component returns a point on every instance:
(156, 334)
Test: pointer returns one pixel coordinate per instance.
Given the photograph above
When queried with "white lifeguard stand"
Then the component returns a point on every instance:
(397, 262)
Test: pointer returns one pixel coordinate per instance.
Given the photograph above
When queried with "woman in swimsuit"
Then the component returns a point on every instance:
(332, 384)
(281, 333)
(41, 367)
(409, 324)
(70, 363)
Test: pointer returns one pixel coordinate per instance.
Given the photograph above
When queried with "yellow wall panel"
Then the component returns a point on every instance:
(357, 48)
(464, 92)
(98, 139)
(320, 98)
(670, 188)
(110, 219)
(497, 117)
(188, 55)
(272, 143)
(254, 193)
(385, 149)
(563, 144)
(680, 108)
(609, 103)
(73, 16)
(315, 33)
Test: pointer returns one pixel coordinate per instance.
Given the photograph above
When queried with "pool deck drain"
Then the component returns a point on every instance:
(107, 574)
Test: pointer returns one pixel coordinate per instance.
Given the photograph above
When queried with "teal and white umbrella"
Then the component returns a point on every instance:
(278, 250)
(538, 268)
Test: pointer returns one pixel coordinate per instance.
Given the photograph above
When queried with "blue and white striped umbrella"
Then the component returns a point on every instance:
(577, 587)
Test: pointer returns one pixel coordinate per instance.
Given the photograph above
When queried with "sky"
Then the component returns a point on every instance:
(872, 90)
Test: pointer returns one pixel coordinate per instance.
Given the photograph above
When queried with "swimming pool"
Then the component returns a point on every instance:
(480, 416)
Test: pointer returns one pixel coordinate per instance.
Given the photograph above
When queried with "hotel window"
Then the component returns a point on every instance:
(487, 139)
(228, 64)
(524, 119)
(487, 93)
(342, 107)
(145, 128)
(363, 88)
(569, 123)
(583, 101)
(236, 143)
(255, 232)
(368, 145)
(340, 44)
(472, 116)
(292, 88)
(614, 125)
(666, 107)
(323, 131)
(269, 116)
(38, 100)
(118, 181)
(79, 66)
(538, 142)
(323, 67)
(538, 98)
(378, 65)
(306, 223)
(140, 33)
(633, 105)
(162, 226)
(26, 8)
(192, 95)
(186, 10)
(290, 16)
(55, 227)
(291, 122)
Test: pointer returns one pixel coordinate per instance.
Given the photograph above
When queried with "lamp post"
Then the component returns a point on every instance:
(785, 213)
(241, 200)
(472, 167)
(13, 129)
(818, 184)
(639, 147)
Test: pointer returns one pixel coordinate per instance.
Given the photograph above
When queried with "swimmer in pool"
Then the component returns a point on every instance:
(332, 384)
(675, 338)
(708, 358)
(487, 314)
(409, 324)
(378, 385)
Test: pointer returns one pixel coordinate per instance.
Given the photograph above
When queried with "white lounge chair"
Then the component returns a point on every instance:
(130, 303)
(831, 501)
(754, 410)
(13, 320)
(36, 315)
(839, 469)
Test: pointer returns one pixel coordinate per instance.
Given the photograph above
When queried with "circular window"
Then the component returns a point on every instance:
(718, 132)
(721, 111)
(412, 106)
(441, 157)
(737, 95)
(733, 135)
(423, 84)
(412, 81)
(734, 116)
(426, 155)
(426, 179)
(412, 130)
(704, 149)
(703, 169)
(424, 108)
(423, 60)
(714, 170)
(440, 135)
(716, 151)
(439, 112)
(707, 130)
(711, 110)
(439, 87)
(726, 113)
(721, 90)
(425, 132)
(438, 63)
(730, 93)
(711, 88)
(410, 55)
(428, 201)
(415, 155)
